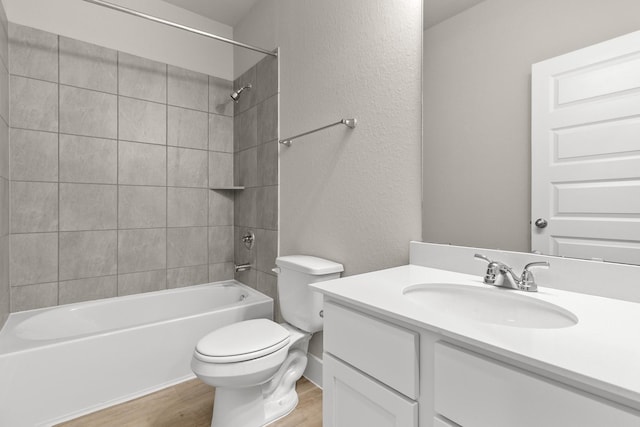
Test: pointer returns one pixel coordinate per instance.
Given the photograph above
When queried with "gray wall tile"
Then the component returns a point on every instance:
(34, 207)
(268, 163)
(34, 258)
(5, 197)
(142, 250)
(33, 53)
(34, 155)
(220, 133)
(222, 271)
(142, 164)
(187, 167)
(4, 148)
(142, 121)
(142, 207)
(268, 284)
(146, 281)
(34, 104)
(89, 113)
(87, 289)
(5, 93)
(186, 246)
(220, 208)
(187, 276)
(268, 120)
(188, 89)
(267, 249)
(4, 39)
(88, 254)
(142, 78)
(187, 207)
(220, 101)
(88, 66)
(187, 128)
(88, 160)
(5, 294)
(220, 169)
(248, 277)
(267, 207)
(221, 244)
(246, 167)
(248, 97)
(88, 207)
(245, 211)
(242, 254)
(245, 130)
(267, 78)
(32, 297)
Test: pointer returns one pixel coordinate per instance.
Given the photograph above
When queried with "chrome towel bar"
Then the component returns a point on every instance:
(350, 123)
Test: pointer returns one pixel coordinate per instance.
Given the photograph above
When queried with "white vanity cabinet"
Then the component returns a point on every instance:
(381, 373)
(370, 371)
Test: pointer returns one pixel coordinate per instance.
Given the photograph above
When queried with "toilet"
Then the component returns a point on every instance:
(254, 364)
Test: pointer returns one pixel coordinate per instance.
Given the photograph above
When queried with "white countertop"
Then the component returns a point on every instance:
(602, 351)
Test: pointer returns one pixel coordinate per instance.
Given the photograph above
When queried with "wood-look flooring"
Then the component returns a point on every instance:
(190, 404)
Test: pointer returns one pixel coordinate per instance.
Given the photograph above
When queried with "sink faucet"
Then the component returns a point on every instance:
(500, 274)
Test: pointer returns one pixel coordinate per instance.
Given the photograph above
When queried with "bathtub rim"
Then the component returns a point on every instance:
(23, 345)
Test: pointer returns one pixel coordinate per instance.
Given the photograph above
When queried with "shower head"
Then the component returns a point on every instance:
(236, 95)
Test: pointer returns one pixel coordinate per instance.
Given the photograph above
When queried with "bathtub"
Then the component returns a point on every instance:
(62, 362)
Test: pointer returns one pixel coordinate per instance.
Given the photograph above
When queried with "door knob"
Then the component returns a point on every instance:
(541, 223)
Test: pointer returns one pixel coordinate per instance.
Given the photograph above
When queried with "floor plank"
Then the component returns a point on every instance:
(190, 404)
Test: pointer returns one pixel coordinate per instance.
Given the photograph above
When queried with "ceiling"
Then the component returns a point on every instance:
(230, 12)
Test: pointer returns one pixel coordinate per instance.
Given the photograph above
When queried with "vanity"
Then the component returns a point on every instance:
(430, 344)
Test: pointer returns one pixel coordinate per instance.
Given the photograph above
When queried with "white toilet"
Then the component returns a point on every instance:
(254, 364)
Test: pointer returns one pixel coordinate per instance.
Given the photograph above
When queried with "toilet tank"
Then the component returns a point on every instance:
(300, 306)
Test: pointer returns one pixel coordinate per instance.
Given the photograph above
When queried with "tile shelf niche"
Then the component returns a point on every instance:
(230, 187)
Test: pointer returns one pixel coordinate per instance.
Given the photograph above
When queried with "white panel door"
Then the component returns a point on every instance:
(585, 152)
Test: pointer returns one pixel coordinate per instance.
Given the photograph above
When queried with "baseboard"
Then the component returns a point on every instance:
(314, 370)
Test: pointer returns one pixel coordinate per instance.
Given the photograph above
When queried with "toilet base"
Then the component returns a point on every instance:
(247, 407)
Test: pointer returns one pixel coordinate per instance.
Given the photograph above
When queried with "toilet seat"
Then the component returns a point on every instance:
(242, 341)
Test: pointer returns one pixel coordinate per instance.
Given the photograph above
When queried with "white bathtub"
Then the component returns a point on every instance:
(62, 362)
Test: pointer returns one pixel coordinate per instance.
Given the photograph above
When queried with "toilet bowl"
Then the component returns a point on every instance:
(254, 364)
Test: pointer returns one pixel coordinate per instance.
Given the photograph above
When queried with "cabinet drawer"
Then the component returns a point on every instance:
(475, 391)
(386, 352)
(350, 399)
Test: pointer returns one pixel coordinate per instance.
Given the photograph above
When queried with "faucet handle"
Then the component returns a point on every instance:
(493, 269)
(482, 257)
(527, 281)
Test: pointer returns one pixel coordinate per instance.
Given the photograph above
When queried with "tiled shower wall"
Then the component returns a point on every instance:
(256, 168)
(112, 156)
(4, 168)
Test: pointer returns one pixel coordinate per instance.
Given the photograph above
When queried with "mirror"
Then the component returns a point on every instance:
(477, 110)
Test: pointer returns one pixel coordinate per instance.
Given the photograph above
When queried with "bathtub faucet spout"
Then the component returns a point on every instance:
(242, 267)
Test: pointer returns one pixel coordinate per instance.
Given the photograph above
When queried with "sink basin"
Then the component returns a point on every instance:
(490, 305)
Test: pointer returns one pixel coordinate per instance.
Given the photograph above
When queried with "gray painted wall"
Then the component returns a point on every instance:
(112, 159)
(4, 168)
(477, 66)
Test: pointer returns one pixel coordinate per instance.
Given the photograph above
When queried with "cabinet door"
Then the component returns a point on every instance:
(351, 398)
(474, 391)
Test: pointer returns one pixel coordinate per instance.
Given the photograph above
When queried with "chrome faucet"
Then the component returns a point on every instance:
(500, 274)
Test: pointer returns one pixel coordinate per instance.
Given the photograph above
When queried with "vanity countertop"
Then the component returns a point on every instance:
(601, 351)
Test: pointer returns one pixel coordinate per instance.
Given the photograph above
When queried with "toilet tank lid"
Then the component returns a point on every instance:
(309, 264)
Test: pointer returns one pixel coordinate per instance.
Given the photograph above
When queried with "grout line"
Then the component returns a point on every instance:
(58, 133)
(166, 179)
(117, 171)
